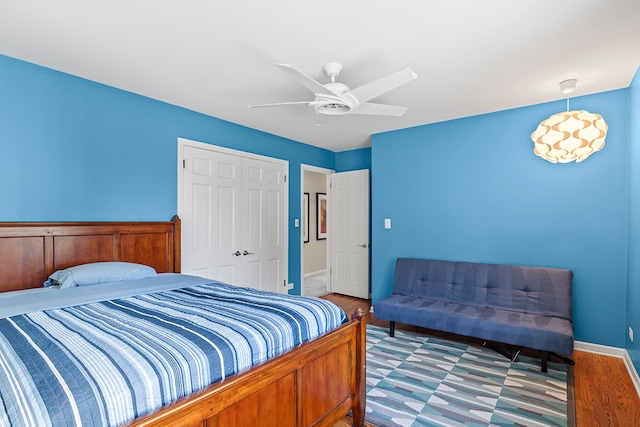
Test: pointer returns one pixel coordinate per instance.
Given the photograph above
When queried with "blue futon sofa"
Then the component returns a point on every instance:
(528, 307)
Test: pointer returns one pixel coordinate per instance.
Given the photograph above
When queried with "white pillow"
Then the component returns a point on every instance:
(99, 272)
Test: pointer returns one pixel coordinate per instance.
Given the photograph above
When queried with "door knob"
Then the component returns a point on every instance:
(364, 245)
(247, 253)
(236, 253)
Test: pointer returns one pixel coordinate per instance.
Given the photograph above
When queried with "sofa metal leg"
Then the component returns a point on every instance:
(564, 359)
(545, 358)
(512, 357)
(516, 354)
(392, 328)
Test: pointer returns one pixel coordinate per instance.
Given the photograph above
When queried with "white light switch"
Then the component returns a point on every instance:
(387, 223)
(297, 222)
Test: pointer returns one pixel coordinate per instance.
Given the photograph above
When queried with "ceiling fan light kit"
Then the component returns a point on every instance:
(335, 98)
(333, 109)
(569, 136)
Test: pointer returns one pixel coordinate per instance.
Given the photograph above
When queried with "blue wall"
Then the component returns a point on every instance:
(468, 189)
(633, 291)
(75, 150)
(353, 160)
(472, 190)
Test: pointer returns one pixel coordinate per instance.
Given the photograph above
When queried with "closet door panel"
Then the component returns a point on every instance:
(233, 217)
(211, 229)
(264, 187)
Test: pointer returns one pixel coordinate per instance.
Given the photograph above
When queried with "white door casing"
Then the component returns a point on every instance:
(233, 210)
(349, 233)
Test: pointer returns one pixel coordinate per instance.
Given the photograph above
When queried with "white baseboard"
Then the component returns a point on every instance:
(605, 350)
(314, 273)
(632, 371)
(615, 352)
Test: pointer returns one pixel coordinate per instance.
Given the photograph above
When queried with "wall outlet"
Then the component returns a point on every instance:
(630, 334)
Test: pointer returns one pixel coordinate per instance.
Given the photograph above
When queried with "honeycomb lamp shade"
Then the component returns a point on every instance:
(569, 136)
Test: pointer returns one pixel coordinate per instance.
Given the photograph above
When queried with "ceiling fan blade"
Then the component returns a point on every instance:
(305, 80)
(379, 109)
(279, 104)
(382, 85)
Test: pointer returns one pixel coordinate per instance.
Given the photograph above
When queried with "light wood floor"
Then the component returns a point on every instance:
(604, 392)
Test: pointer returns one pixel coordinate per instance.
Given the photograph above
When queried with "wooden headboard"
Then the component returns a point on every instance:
(31, 251)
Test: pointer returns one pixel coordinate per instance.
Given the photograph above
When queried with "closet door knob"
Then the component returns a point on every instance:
(236, 253)
(247, 253)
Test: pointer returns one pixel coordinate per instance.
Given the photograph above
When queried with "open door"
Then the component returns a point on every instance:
(349, 233)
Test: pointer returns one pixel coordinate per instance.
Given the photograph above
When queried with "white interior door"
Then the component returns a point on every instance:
(349, 233)
(234, 217)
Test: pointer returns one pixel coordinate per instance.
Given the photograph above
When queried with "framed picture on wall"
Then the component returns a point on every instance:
(321, 218)
(305, 218)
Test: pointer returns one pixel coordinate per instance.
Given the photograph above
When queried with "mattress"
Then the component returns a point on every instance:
(103, 362)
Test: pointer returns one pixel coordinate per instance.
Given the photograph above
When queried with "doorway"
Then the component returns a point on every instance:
(315, 254)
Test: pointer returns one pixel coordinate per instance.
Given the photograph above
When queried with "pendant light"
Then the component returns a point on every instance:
(571, 135)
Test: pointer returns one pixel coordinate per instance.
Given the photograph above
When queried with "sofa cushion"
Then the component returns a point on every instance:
(530, 290)
(506, 326)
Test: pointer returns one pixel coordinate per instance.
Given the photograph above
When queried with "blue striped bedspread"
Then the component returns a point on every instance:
(106, 363)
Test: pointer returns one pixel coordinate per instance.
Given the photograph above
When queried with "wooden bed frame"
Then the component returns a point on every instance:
(315, 384)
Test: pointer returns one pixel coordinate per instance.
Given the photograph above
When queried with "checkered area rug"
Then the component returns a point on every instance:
(417, 380)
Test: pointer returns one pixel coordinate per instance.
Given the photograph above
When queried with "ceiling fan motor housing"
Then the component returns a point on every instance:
(341, 104)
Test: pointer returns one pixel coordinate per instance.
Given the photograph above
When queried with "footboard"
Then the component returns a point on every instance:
(315, 384)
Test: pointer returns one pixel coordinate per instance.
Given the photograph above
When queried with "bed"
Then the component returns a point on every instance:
(315, 382)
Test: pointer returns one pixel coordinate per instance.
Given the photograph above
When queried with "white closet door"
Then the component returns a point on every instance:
(264, 219)
(211, 221)
(234, 218)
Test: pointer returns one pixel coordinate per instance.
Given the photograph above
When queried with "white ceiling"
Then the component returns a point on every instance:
(216, 57)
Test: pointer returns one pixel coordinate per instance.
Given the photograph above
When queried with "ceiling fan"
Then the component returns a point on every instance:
(338, 99)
